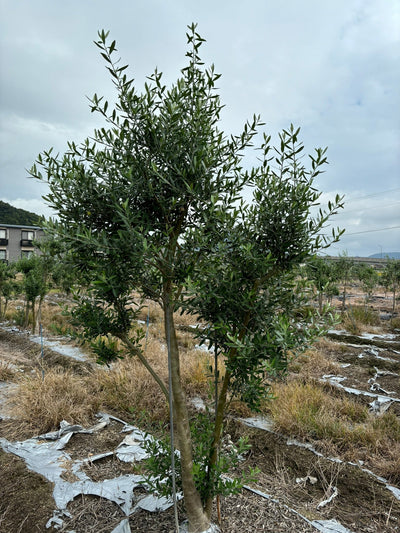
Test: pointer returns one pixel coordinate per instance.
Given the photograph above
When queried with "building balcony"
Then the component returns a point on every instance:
(3, 242)
(27, 243)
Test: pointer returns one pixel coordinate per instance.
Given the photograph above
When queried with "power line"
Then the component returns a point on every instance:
(367, 208)
(371, 195)
(369, 231)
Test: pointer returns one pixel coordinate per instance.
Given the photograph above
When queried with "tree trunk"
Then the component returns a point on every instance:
(39, 313)
(344, 298)
(219, 420)
(198, 520)
(26, 321)
(394, 301)
(320, 301)
(33, 316)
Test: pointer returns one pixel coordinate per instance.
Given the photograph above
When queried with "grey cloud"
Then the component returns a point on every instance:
(329, 67)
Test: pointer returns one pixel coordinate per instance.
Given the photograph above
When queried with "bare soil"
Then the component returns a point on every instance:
(364, 503)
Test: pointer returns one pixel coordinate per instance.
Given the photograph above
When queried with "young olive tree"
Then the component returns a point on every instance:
(152, 204)
(322, 274)
(7, 286)
(391, 279)
(35, 284)
(345, 271)
(368, 277)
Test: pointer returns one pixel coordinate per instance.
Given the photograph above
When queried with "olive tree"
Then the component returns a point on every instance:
(7, 286)
(391, 279)
(153, 204)
(322, 274)
(345, 270)
(368, 277)
(35, 284)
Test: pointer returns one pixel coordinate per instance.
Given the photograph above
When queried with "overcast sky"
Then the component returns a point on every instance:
(331, 67)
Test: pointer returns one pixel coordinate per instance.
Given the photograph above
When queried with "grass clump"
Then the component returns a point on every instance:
(388, 424)
(338, 426)
(313, 363)
(7, 373)
(306, 410)
(43, 401)
(358, 317)
(395, 323)
(128, 388)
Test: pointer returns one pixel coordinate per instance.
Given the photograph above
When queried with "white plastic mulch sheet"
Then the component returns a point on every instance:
(45, 455)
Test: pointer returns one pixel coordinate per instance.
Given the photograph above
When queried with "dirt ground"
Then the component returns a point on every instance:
(364, 503)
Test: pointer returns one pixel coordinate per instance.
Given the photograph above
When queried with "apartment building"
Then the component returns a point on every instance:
(18, 241)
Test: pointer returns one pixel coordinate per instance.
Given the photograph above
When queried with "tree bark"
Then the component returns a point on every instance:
(33, 317)
(198, 519)
(320, 301)
(218, 425)
(26, 321)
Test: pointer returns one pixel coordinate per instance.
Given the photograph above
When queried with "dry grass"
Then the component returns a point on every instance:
(328, 346)
(305, 410)
(395, 323)
(359, 319)
(53, 319)
(388, 463)
(154, 312)
(128, 388)
(42, 402)
(313, 363)
(7, 372)
(341, 426)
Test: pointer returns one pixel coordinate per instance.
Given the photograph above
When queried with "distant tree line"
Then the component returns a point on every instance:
(13, 215)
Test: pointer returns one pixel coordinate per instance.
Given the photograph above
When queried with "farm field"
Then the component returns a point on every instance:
(327, 446)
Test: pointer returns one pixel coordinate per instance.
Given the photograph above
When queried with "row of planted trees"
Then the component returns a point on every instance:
(30, 279)
(333, 278)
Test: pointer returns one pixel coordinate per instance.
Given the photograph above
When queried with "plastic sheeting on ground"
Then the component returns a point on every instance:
(45, 455)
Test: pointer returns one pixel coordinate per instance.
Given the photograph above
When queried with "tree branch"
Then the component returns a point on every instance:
(132, 348)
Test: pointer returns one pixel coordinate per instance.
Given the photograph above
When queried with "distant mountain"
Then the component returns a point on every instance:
(383, 255)
(13, 215)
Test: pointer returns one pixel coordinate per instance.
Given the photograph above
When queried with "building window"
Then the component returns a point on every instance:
(3, 255)
(27, 238)
(28, 235)
(3, 237)
(26, 254)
